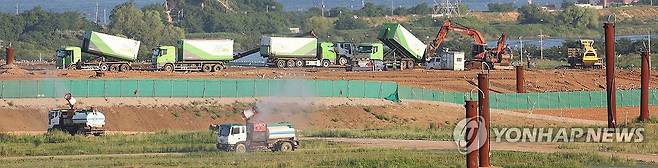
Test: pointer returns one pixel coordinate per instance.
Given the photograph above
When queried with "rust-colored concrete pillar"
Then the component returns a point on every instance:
(520, 79)
(471, 134)
(644, 85)
(610, 73)
(483, 100)
(10, 56)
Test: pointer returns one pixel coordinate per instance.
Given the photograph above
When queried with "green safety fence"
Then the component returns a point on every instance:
(202, 88)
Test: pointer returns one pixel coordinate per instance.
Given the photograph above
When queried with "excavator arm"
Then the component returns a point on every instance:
(449, 26)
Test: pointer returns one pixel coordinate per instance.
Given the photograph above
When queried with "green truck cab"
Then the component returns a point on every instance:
(163, 55)
(68, 56)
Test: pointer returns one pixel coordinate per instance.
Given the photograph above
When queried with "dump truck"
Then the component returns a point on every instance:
(308, 52)
(194, 55)
(256, 135)
(76, 121)
(291, 52)
(405, 49)
(585, 56)
(112, 53)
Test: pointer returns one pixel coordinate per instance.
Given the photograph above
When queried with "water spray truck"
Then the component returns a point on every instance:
(75, 121)
(194, 55)
(113, 53)
(256, 135)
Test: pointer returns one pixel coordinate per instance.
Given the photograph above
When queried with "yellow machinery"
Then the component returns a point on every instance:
(585, 56)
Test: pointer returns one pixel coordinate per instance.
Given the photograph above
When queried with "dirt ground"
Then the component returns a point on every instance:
(502, 81)
(624, 114)
(326, 113)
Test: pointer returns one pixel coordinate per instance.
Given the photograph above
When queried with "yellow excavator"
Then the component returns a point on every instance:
(585, 56)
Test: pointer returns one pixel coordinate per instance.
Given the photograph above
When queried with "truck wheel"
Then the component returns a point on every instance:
(104, 67)
(291, 63)
(114, 68)
(326, 63)
(342, 61)
(411, 64)
(206, 67)
(403, 65)
(240, 148)
(281, 63)
(124, 67)
(169, 68)
(217, 68)
(299, 63)
(285, 147)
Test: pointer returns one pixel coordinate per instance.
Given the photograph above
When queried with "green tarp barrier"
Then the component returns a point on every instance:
(303, 88)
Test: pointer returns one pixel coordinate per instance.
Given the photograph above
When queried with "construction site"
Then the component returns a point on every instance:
(403, 100)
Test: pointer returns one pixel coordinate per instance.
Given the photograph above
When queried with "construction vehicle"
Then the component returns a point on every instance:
(366, 57)
(304, 52)
(407, 50)
(585, 56)
(490, 57)
(112, 53)
(194, 55)
(256, 135)
(75, 121)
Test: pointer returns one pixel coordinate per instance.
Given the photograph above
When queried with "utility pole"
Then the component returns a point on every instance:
(104, 17)
(322, 3)
(541, 44)
(97, 7)
(521, 55)
(17, 9)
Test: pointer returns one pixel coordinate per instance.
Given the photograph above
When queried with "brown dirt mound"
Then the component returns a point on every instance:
(198, 116)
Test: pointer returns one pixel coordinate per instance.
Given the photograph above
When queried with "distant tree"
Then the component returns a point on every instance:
(532, 14)
(501, 7)
(313, 11)
(339, 11)
(147, 27)
(567, 3)
(421, 9)
(349, 22)
(578, 17)
(401, 11)
(318, 24)
(372, 10)
(426, 21)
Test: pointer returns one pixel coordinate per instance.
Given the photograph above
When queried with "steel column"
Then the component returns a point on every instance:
(471, 134)
(644, 96)
(483, 99)
(610, 73)
(520, 79)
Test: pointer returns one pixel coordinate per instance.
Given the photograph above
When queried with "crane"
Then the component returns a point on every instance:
(480, 53)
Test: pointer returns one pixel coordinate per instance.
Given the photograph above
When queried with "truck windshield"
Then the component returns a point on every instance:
(224, 130)
(62, 53)
(156, 52)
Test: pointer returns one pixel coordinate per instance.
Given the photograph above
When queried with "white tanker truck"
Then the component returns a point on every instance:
(74, 121)
(256, 135)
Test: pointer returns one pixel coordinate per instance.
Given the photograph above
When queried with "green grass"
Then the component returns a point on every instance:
(648, 146)
(333, 158)
(392, 133)
(59, 143)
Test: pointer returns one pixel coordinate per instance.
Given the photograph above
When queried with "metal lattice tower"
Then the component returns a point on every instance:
(446, 8)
